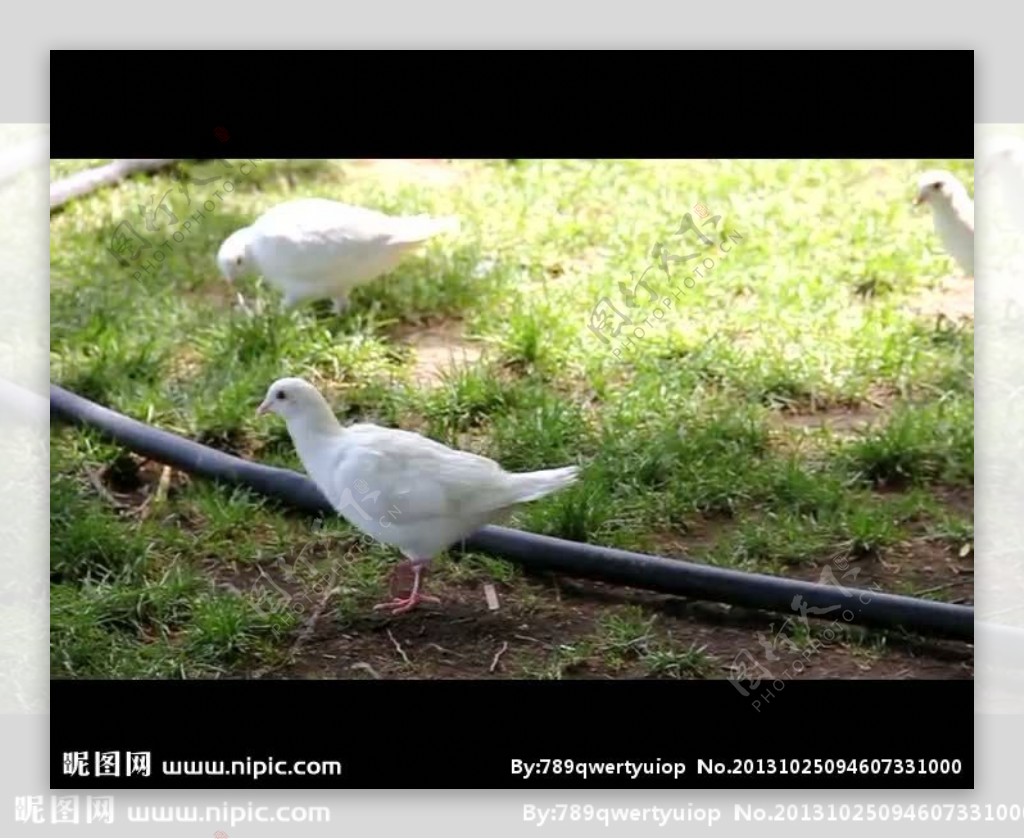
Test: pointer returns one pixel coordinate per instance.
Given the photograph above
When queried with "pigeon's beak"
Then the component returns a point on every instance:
(264, 408)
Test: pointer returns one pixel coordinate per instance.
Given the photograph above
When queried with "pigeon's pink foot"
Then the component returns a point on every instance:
(403, 604)
(400, 605)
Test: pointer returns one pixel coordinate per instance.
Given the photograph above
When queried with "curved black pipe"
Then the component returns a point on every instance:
(188, 456)
(89, 180)
(544, 553)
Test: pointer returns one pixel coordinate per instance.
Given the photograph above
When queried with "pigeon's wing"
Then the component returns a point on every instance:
(426, 479)
(314, 239)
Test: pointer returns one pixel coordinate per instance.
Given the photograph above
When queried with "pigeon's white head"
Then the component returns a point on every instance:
(233, 256)
(292, 398)
(937, 187)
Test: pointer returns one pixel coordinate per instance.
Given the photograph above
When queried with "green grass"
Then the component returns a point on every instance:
(808, 311)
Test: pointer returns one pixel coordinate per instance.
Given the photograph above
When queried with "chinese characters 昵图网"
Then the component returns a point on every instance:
(602, 321)
(107, 764)
(129, 245)
(64, 809)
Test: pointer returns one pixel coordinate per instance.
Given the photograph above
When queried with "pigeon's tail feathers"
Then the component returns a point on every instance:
(416, 229)
(534, 485)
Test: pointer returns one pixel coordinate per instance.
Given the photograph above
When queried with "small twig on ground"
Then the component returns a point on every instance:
(532, 640)
(159, 494)
(934, 589)
(362, 665)
(445, 650)
(398, 647)
(307, 630)
(240, 300)
(497, 657)
(264, 575)
(164, 485)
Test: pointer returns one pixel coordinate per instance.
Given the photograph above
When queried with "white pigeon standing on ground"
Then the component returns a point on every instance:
(316, 248)
(953, 213)
(400, 487)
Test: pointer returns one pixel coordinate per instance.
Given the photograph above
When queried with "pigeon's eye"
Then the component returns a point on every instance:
(280, 394)
(937, 185)
(238, 261)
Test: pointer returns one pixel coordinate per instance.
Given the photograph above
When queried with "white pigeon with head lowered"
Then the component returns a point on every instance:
(316, 248)
(400, 487)
(953, 214)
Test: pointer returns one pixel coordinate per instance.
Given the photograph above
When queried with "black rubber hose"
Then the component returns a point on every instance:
(89, 180)
(188, 456)
(544, 553)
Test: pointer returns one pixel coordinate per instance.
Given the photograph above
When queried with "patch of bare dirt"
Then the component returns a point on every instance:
(921, 567)
(953, 300)
(935, 568)
(796, 427)
(841, 421)
(436, 172)
(728, 632)
(540, 618)
(958, 499)
(548, 625)
(437, 349)
(699, 534)
(573, 268)
(215, 290)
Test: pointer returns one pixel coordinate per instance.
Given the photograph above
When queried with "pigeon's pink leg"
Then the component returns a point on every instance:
(395, 585)
(399, 604)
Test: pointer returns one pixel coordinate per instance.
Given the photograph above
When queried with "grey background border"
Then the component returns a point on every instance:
(24, 98)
